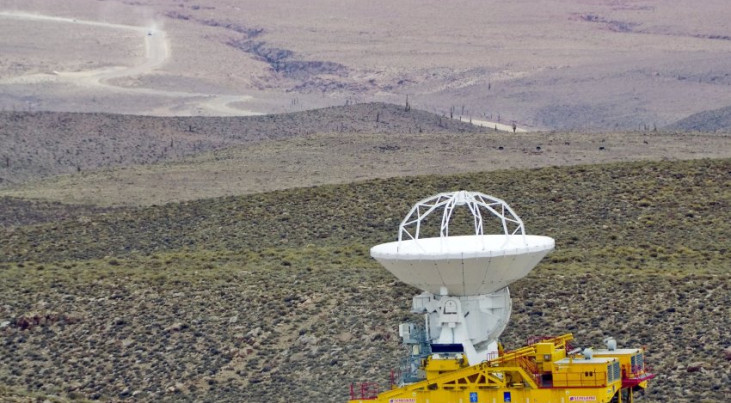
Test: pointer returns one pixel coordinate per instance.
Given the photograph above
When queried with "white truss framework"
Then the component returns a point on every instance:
(411, 225)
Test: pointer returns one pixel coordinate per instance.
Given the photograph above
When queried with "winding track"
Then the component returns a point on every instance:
(157, 52)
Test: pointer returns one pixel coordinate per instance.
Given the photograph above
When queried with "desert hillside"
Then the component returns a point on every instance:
(273, 296)
(39, 144)
(717, 120)
(189, 191)
(128, 279)
(112, 160)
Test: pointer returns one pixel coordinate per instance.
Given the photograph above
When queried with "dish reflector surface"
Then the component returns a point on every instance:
(473, 264)
(465, 265)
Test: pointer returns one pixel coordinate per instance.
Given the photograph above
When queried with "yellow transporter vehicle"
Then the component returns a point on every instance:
(541, 372)
(455, 356)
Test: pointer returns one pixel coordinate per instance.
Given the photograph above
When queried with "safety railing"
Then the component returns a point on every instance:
(364, 391)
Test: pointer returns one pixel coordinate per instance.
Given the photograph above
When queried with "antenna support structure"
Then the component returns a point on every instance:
(464, 278)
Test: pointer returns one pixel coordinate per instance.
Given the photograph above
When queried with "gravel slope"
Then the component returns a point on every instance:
(273, 297)
(40, 144)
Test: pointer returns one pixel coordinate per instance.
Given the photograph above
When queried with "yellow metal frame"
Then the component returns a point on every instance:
(517, 376)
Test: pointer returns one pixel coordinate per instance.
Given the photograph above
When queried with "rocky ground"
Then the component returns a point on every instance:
(112, 160)
(40, 144)
(273, 297)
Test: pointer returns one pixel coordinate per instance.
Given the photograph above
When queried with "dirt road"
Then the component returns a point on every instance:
(497, 126)
(157, 52)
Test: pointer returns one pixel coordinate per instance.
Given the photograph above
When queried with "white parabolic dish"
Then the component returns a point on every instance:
(465, 265)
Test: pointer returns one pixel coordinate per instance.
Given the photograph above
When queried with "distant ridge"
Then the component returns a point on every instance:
(716, 120)
(41, 144)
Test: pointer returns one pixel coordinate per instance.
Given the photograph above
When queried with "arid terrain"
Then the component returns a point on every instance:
(596, 65)
(110, 160)
(189, 189)
(273, 297)
(234, 266)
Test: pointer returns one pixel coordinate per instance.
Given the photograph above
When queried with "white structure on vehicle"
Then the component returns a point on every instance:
(464, 278)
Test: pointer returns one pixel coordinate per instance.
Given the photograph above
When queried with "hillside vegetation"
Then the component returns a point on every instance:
(41, 144)
(112, 160)
(273, 297)
(717, 120)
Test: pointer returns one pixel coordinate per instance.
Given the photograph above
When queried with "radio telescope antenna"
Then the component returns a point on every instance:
(464, 278)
